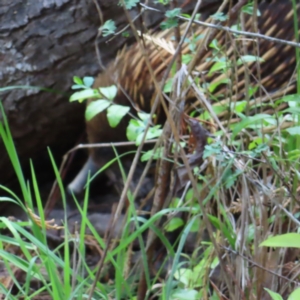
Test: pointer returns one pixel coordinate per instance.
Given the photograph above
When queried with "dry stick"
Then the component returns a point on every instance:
(261, 254)
(259, 266)
(205, 217)
(232, 12)
(142, 289)
(142, 292)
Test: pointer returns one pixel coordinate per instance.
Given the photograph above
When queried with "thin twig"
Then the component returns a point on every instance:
(228, 29)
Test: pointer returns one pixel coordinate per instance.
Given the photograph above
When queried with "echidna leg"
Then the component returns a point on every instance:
(78, 183)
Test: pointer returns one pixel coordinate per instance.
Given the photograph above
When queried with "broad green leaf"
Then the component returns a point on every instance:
(217, 110)
(184, 275)
(134, 128)
(115, 113)
(109, 27)
(77, 80)
(248, 9)
(214, 85)
(294, 155)
(248, 59)
(220, 65)
(288, 98)
(239, 106)
(291, 240)
(212, 149)
(169, 23)
(109, 92)
(152, 133)
(151, 154)
(173, 13)
(129, 4)
(88, 81)
(83, 95)
(293, 130)
(186, 58)
(226, 230)
(95, 107)
(214, 44)
(168, 86)
(274, 296)
(77, 87)
(219, 16)
(255, 143)
(295, 295)
(174, 224)
(247, 121)
(252, 90)
(272, 120)
(184, 294)
(196, 225)
(144, 116)
(293, 109)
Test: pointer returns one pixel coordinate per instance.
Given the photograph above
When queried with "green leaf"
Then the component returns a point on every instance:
(129, 4)
(220, 65)
(125, 34)
(133, 129)
(174, 224)
(291, 240)
(252, 90)
(239, 106)
(88, 81)
(288, 98)
(196, 225)
(247, 121)
(164, 2)
(226, 229)
(274, 295)
(109, 92)
(294, 155)
(184, 294)
(248, 59)
(293, 130)
(249, 9)
(168, 24)
(115, 113)
(214, 85)
(95, 108)
(109, 27)
(152, 133)
(214, 44)
(187, 58)
(77, 80)
(83, 95)
(295, 295)
(144, 116)
(219, 16)
(173, 13)
(256, 142)
(152, 154)
(78, 87)
(168, 86)
(212, 149)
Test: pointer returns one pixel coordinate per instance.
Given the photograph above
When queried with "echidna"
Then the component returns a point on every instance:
(274, 77)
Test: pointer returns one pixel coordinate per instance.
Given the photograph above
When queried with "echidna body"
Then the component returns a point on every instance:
(130, 71)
